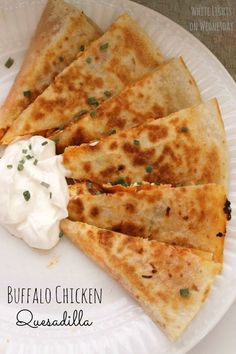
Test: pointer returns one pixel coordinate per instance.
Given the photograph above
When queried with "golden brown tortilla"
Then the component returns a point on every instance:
(62, 32)
(188, 147)
(121, 56)
(164, 91)
(191, 216)
(169, 282)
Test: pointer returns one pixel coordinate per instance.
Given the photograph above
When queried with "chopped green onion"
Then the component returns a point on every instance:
(26, 195)
(20, 167)
(107, 93)
(97, 193)
(93, 114)
(9, 63)
(104, 46)
(9, 166)
(112, 131)
(27, 93)
(82, 48)
(29, 157)
(88, 60)
(44, 143)
(61, 234)
(120, 181)
(61, 127)
(79, 114)
(50, 195)
(44, 184)
(184, 129)
(184, 292)
(92, 101)
(149, 169)
(89, 185)
(136, 142)
(35, 162)
(22, 161)
(30, 146)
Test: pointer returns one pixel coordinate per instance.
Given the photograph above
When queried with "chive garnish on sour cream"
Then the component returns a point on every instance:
(9, 63)
(20, 167)
(26, 195)
(45, 184)
(44, 143)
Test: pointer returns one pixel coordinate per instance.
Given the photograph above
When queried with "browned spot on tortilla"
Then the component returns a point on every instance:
(156, 133)
(129, 228)
(130, 148)
(94, 211)
(113, 145)
(108, 171)
(158, 111)
(130, 208)
(144, 157)
(105, 237)
(76, 208)
(87, 166)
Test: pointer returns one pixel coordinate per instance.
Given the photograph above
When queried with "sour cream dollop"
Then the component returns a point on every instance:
(33, 191)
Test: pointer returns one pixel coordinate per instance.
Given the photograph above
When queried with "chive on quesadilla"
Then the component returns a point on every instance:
(160, 93)
(62, 32)
(169, 282)
(191, 216)
(188, 147)
(121, 56)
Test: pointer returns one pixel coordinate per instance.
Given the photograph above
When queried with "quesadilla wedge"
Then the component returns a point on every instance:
(191, 216)
(169, 282)
(62, 32)
(188, 147)
(160, 93)
(121, 56)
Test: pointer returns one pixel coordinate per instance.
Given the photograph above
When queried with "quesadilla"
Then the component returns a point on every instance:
(121, 56)
(169, 282)
(188, 147)
(62, 32)
(191, 216)
(160, 93)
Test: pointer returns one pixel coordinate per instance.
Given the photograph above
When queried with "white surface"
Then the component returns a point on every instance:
(222, 339)
(120, 324)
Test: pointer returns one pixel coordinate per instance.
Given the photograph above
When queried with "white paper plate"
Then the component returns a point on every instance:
(120, 326)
